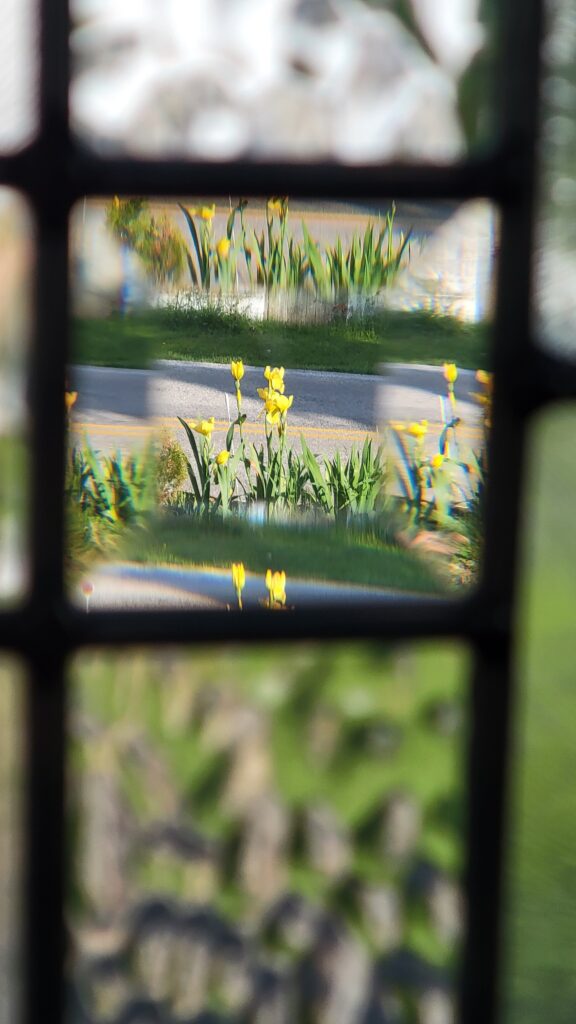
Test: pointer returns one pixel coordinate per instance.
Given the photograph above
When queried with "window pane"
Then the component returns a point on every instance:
(11, 728)
(308, 374)
(268, 833)
(18, 73)
(298, 80)
(16, 256)
(557, 229)
(540, 979)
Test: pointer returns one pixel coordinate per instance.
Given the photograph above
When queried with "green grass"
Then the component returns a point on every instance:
(354, 346)
(540, 976)
(326, 553)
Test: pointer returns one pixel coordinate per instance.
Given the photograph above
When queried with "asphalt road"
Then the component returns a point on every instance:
(121, 408)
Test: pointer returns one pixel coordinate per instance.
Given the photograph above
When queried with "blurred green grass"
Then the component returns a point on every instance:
(363, 687)
(357, 345)
(330, 552)
(540, 974)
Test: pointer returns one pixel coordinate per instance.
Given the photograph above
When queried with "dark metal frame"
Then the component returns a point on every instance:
(52, 173)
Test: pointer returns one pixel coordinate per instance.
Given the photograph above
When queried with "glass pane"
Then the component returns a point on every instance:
(539, 975)
(557, 228)
(268, 834)
(18, 73)
(270, 79)
(16, 259)
(11, 728)
(315, 380)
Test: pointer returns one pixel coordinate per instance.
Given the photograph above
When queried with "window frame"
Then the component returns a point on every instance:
(52, 173)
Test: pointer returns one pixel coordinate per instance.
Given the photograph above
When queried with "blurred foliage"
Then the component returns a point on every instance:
(273, 793)
(154, 239)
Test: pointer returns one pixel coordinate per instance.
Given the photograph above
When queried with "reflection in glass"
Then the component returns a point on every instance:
(272, 834)
(291, 79)
(11, 728)
(16, 254)
(556, 265)
(314, 382)
(541, 866)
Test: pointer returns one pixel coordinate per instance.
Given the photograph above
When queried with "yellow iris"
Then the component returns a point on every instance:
(275, 205)
(204, 427)
(450, 372)
(276, 586)
(223, 248)
(238, 580)
(485, 379)
(275, 378)
(70, 398)
(277, 405)
(238, 576)
(437, 460)
(207, 212)
(222, 458)
(418, 430)
(237, 369)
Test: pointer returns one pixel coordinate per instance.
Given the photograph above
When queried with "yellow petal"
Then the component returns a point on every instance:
(450, 372)
(204, 427)
(238, 575)
(223, 248)
(418, 430)
(222, 457)
(237, 369)
(486, 380)
(70, 398)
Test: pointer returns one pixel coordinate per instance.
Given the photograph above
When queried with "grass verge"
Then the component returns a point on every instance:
(353, 346)
(328, 553)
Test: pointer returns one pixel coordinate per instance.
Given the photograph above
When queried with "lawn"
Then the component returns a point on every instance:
(541, 979)
(331, 552)
(357, 345)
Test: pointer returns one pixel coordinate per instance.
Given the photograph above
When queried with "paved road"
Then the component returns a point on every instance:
(121, 408)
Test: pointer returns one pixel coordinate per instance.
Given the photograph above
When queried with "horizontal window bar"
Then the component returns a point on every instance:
(497, 175)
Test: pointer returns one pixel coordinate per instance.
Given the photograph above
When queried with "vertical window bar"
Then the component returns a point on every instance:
(43, 933)
(489, 752)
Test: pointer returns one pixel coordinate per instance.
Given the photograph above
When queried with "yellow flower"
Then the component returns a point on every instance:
(238, 575)
(275, 378)
(223, 248)
(277, 405)
(437, 460)
(484, 378)
(275, 205)
(237, 369)
(204, 427)
(222, 457)
(418, 430)
(276, 585)
(264, 393)
(238, 580)
(450, 372)
(207, 212)
(70, 398)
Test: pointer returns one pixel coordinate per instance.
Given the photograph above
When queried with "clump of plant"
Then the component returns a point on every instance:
(172, 470)
(272, 476)
(443, 491)
(272, 258)
(105, 495)
(154, 239)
